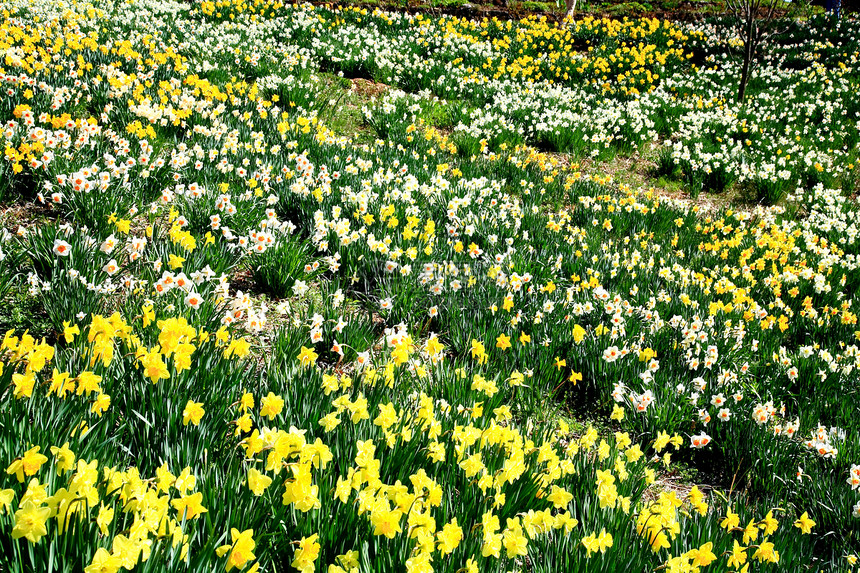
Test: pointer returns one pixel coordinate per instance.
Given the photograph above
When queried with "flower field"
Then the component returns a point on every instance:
(261, 320)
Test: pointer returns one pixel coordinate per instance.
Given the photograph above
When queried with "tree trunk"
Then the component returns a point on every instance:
(745, 71)
(750, 42)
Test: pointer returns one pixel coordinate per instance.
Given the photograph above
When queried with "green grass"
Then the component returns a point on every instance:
(345, 117)
(533, 6)
(19, 311)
